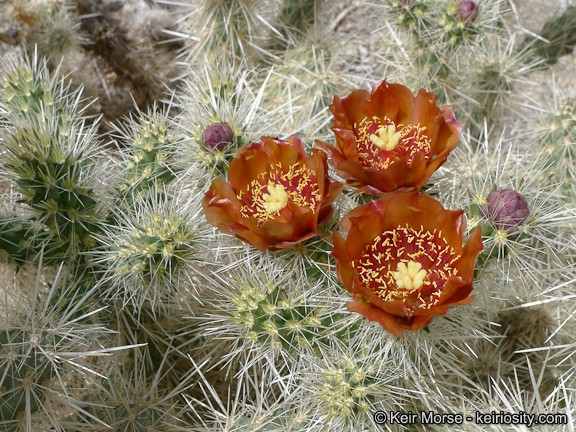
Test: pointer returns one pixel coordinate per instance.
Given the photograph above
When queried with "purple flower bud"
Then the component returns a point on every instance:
(466, 11)
(217, 136)
(507, 208)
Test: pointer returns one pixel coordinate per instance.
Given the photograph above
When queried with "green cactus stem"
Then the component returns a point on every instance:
(557, 37)
(24, 372)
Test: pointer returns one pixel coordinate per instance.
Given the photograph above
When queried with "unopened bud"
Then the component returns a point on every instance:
(466, 11)
(217, 136)
(507, 208)
(406, 3)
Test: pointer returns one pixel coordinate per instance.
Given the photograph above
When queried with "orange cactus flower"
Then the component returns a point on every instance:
(404, 261)
(390, 139)
(276, 195)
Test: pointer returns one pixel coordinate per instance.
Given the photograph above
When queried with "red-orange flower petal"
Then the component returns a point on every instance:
(348, 109)
(373, 313)
(389, 139)
(404, 261)
(276, 195)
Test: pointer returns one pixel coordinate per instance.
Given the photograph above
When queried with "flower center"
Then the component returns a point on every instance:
(387, 138)
(271, 192)
(410, 277)
(382, 142)
(276, 198)
(408, 265)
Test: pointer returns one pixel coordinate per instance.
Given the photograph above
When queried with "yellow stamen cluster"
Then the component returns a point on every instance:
(400, 140)
(266, 196)
(409, 265)
(276, 198)
(410, 277)
(387, 138)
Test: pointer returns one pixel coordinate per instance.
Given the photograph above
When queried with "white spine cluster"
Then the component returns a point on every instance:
(122, 308)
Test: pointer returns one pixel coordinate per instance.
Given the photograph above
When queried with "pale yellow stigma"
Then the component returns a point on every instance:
(410, 277)
(387, 138)
(276, 198)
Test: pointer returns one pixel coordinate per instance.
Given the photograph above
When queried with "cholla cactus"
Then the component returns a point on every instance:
(308, 76)
(464, 51)
(130, 401)
(45, 346)
(295, 20)
(46, 27)
(556, 132)
(556, 37)
(268, 313)
(229, 28)
(49, 153)
(147, 255)
(343, 388)
(56, 33)
(152, 163)
(232, 94)
(210, 270)
(517, 244)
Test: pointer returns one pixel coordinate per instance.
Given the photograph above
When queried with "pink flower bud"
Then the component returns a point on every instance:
(217, 136)
(466, 11)
(507, 208)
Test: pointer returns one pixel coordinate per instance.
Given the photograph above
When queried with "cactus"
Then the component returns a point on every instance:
(346, 386)
(310, 74)
(145, 285)
(55, 34)
(229, 28)
(296, 19)
(233, 95)
(129, 403)
(26, 371)
(473, 64)
(48, 150)
(556, 133)
(556, 37)
(145, 67)
(147, 254)
(278, 318)
(47, 28)
(44, 345)
(152, 164)
(14, 246)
